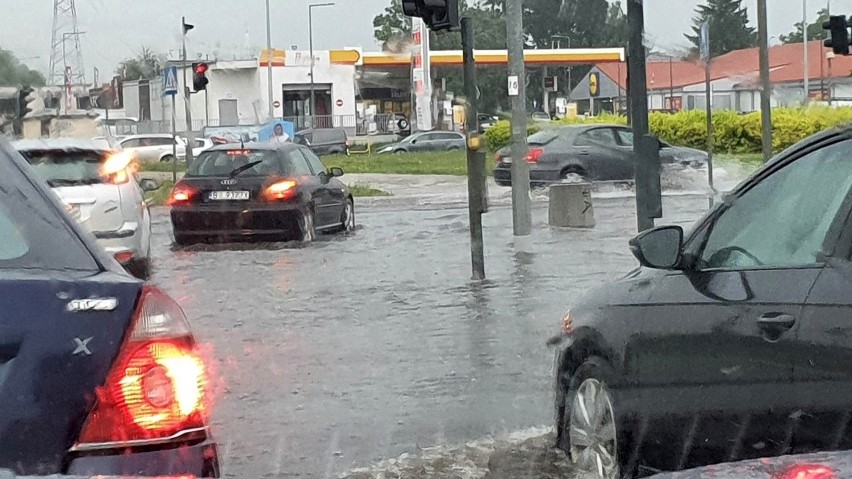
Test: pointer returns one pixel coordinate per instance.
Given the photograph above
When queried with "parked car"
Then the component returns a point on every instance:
(324, 141)
(101, 192)
(201, 144)
(100, 372)
(486, 122)
(592, 152)
(540, 117)
(155, 147)
(428, 141)
(259, 190)
(398, 123)
(728, 342)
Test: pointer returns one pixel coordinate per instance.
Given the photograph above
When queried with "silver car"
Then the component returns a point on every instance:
(155, 147)
(101, 191)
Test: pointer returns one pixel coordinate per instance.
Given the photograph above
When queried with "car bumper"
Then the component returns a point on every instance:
(503, 175)
(124, 242)
(200, 460)
(236, 221)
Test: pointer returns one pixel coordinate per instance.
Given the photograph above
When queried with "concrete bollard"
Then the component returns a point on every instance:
(571, 206)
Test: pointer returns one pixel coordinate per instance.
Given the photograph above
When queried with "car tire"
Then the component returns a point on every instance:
(140, 269)
(400, 151)
(591, 385)
(453, 148)
(167, 159)
(575, 171)
(347, 218)
(307, 227)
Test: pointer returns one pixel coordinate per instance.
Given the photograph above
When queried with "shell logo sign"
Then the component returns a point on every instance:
(594, 84)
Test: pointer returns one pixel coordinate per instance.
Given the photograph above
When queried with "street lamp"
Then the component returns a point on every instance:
(311, 48)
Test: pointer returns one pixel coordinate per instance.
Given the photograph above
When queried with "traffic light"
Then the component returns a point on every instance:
(24, 99)
(838, 27)
(199, 76)
(439, 15)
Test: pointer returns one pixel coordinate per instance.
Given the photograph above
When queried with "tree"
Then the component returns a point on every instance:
(146, 66)
(729, 29)
(15, 74)
(815, 31)
(392, 28)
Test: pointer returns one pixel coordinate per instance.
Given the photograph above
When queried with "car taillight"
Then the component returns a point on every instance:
(281, 190)
(181, 194)
(155, 391)
(807, 471)
(534, 154)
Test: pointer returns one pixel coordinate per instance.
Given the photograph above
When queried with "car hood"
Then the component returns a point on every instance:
(820, 465)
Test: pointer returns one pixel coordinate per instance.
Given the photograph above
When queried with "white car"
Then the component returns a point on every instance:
(154, 147)
(101, 192)
(201, 144)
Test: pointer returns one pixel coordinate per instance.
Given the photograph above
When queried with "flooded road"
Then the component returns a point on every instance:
(374, 355)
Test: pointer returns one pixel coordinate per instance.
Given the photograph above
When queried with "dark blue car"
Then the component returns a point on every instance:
(99, 372)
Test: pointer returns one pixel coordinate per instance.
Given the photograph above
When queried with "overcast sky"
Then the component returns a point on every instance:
(117, 29)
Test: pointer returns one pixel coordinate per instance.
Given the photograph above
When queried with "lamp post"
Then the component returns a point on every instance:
(806, 66)
(311, 48)
(269, 61)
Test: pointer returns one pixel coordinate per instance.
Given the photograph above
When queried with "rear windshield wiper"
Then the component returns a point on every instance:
(243, 168)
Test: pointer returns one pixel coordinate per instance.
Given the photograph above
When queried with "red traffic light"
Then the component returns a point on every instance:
(201, 68)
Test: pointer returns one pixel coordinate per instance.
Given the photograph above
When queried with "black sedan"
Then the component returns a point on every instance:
(730, 342)
(274, 191)
(592, 152)
(99, 372)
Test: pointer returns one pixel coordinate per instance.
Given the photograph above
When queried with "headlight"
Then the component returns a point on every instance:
(567, 324)
(386, 149)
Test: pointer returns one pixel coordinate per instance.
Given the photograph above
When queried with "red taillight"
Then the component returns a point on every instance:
(123, 257)
(181, 194)
(156, 387)
(534, 154)
(807, 471)
(281, 190)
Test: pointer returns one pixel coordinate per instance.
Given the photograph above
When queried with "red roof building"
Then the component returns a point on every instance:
(735, 79)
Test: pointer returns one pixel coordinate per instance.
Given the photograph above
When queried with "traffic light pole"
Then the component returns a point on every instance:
(521, 207)
(766, 87)
(190, 137)
(475, 156)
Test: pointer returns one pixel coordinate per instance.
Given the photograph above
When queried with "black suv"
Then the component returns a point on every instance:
(324, 141)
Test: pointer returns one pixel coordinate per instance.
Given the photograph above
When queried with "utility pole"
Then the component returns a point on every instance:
(765, 90)
(475, 156)
(807, 72)
(521, 208)
(185, 27)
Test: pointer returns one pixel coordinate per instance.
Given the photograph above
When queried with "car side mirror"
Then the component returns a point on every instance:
(148, 185)
(413, 141)
(659, 248)
(336, 172)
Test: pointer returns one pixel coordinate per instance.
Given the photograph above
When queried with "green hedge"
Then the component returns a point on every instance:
(500, 134)
(732, 132)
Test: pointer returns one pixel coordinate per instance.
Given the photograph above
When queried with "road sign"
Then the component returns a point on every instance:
(170, 82)
(276, 104)
(514, 86)
(339, 102)
(594, 84)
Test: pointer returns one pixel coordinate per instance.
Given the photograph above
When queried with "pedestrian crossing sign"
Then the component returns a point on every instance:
(170, 83)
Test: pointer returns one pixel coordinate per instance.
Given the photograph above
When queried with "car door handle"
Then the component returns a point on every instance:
(776, 321)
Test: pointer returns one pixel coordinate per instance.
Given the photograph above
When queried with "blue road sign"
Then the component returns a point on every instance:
(170, 83)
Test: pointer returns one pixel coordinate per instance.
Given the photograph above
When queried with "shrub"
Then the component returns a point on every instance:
(500, 135)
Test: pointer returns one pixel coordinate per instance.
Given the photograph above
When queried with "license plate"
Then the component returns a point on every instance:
(229, 195)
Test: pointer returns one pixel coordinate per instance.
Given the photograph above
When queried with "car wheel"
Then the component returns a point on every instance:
(307, 227)
(347, 219)
(573, 175)
(453, 148)
(167, 159)
(590, 428)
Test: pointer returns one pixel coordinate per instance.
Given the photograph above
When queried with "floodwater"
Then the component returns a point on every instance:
(375, 355)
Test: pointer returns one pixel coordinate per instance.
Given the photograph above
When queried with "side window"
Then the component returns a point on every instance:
(316, 164)
(161, 141)
(625, 136)
(783, 220)
(601, 135)
(298, 163)
(132, 143)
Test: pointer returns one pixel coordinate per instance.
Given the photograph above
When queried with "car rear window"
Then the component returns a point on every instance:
(543, 137)
(33, 233)
(226, 162)
(67, 168)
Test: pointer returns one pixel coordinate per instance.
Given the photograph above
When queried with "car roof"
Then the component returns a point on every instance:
(253, 145)
(152, 135)
(61, 144)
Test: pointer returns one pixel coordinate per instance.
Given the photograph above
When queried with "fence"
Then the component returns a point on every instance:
(380, 124)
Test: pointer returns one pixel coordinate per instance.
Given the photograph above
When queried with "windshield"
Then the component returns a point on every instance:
(245, 162)
(63, 168)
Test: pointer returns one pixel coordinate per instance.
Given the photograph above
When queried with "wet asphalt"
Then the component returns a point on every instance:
(374, 354)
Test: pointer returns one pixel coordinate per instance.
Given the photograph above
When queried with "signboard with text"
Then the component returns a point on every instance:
(421, 75)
